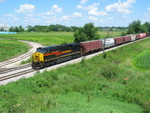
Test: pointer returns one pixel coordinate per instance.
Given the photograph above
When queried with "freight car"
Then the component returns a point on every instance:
(90, 46)
(119, 40)
(108, 42)
(47, 56)
(127, 39)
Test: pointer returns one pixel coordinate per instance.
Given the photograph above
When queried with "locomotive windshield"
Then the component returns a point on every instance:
(42, 50)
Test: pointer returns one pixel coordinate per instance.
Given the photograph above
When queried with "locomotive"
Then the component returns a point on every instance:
(48, 56)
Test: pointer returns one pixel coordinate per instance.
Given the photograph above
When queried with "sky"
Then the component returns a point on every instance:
(73, 12)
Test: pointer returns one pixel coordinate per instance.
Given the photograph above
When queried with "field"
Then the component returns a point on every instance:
(52, 38)
(11, 48)
(110, 84)
(142, 61)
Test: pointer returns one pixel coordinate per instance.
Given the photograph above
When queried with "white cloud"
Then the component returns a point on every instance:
(2, 0)
(83, 1)
(92, 18)
(25, 8)
(74, 15)
(93, 10)
(110, 18)
(11, 17)
(65, 18)
(55, 9)
(77, 14)
(121, 7)
(30, 19)
(147, 15)
(88, 7)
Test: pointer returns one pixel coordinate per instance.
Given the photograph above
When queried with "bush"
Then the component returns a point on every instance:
(109, 71)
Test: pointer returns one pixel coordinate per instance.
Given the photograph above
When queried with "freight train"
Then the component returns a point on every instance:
(48, 56)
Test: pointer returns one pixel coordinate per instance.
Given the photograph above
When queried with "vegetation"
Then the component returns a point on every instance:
(75, 88)
(54, 28)
(47, 39)
(137, 27)
(88, 32)
(16, 29)
(11, 48)
(1, 29)
(58, 28)
(142, 61)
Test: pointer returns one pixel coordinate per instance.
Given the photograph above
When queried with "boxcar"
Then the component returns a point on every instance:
(127, 39)
(138, 36)
(90, 46)
(142, 35)
(119, 40)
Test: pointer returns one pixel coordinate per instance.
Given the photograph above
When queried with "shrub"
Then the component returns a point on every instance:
(109, 71)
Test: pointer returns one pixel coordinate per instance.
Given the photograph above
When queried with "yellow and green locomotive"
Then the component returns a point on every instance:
(47, 56)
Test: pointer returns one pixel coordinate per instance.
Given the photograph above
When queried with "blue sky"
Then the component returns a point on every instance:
(73, 12)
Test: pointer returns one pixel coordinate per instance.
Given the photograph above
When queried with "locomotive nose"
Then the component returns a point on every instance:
(37, 57)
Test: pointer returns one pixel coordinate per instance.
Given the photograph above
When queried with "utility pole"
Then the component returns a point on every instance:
(107, 36)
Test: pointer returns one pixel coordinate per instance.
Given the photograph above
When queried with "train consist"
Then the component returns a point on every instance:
(47, 56)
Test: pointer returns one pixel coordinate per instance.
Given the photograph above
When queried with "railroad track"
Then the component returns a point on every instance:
(7, 70)
(21, 57)
(9, 76)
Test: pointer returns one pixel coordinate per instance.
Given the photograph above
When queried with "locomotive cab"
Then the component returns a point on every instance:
(37, 58)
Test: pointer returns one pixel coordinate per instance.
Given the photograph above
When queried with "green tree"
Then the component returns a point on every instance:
(134, 27)
(1, 29)
(144, 29)
(11, 29)
(88, 32)
(147, 24)
(20, 28)
(80, 35)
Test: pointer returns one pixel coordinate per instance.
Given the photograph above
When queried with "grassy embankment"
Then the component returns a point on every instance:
(108, 85)
(11, 48)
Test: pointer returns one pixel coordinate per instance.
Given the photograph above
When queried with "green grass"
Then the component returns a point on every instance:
(142, 61)
(47, 39)
(11, 48)
(103, 34)
(52, 38)
(96, 82)
(99, 103)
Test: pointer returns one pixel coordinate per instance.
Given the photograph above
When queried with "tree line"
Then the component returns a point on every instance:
(57, 28)
(16, 29)
(50, 28)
